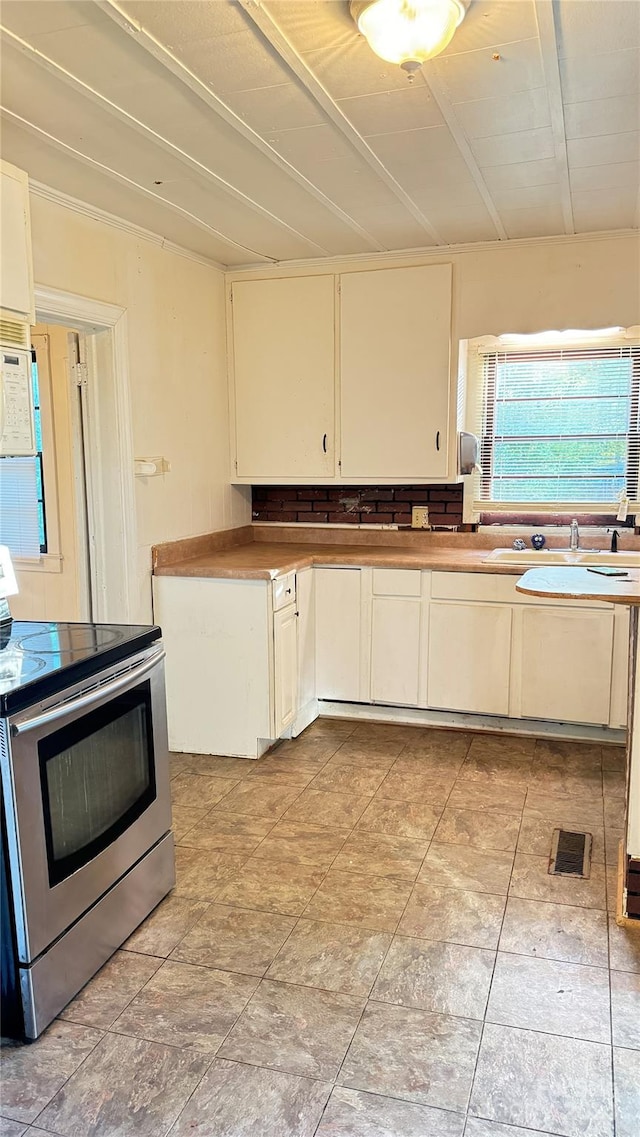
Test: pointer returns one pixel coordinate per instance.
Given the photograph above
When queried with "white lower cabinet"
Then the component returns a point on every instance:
(469, 657)
(285, 679)
(341, 609)
(565, 664)
(398, 637)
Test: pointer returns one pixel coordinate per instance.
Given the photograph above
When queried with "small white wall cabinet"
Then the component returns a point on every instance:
(283, 387)
(231, 667)
(398, 637)
(16, 271)
(341, 645)
(469, 657)
(394, 372)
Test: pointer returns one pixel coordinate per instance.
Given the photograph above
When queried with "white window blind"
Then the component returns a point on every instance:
(559, 427)
(19, 515)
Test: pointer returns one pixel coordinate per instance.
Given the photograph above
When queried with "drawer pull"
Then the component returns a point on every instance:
(288, 591)
(437, 439)
(324, 443)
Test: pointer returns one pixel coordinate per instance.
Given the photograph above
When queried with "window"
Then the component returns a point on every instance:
(559, 426)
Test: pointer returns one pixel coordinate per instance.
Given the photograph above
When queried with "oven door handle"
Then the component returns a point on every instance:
(96, 695)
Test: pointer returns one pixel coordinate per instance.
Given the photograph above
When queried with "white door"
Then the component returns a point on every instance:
(339, 666)
(395, 351)
(284, 368)
(469, 657)
(395, 650)
(285, 637)
(565, 664)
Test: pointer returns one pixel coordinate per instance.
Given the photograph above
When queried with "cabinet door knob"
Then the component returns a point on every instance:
(437, 439)
(288, 591)
(324, 443)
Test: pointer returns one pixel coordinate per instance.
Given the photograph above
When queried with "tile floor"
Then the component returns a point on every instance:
(363, 942)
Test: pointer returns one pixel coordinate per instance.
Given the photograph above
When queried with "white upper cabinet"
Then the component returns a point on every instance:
(394, 372)
(16, 272)
(283, 368)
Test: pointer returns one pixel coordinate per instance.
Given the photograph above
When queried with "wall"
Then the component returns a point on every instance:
(359, 505)
(177, 366)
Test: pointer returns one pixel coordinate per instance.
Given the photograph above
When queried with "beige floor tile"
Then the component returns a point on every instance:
(433, 976)
(351, 1113)
(298, 1030)
(531, 880)
(382, 855)
(536, 836)
(235, 939)
(195, 791)
(514, 746)
(370, 902)
(342, 779)
(614, 757)
(491, 768)
(13, 1128)
(307, 751)
(549, 996)
(400, 818)
(370, 755)
(567, 812)
(334, 810)
(183, 819)
(332, 957)
(107, 994)
(230, 833)
(626, 1075)
(461, 866)
(612, 839)
(414, 1055)
(186, 1006)
(555, 931)
(472, 919)
(381, 732)
(272, 886)
(625, 1009)
(246, 1101)
(432, 743)
(489, 798)
(328, 727)
(614, 783)
(624, 946)
(166, 926)
(302, 843)
(416, 784)
(201, 877)
(127, 1087)
(259, 797)
(481, 830)
(480, 1127)
(211, 765)
(288, 767)
(557, 780)
(31, 1074)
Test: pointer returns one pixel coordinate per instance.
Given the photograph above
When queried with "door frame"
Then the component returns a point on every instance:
(113, 555)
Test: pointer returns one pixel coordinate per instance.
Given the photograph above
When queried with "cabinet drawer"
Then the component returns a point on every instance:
(284, 591)
(500, 588)
(396, 582)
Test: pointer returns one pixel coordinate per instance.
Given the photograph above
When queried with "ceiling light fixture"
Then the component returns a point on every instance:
(408, 32)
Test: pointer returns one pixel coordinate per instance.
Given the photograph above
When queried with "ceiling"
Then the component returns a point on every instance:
(250, 131)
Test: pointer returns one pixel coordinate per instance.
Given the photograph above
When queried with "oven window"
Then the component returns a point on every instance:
(97, 777)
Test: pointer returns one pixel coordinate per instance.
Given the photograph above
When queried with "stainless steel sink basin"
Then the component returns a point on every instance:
(538, 558)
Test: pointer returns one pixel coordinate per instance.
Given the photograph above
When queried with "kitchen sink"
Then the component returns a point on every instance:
(541, 557)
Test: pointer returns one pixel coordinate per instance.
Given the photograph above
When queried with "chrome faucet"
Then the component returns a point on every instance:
(574, 541)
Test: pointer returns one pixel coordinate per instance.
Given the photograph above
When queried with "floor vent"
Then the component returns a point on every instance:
(570, 853)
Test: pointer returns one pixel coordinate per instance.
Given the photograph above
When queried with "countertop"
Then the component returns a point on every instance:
(581, 584)
(266, 561)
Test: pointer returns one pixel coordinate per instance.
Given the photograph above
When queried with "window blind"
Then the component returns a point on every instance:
(19, 515)
(559, 427)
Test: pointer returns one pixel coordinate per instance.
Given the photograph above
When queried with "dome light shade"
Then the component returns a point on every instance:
(408, 32)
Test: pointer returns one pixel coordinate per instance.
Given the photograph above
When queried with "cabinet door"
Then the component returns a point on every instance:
(395, 330)
(285, 638)
(469, 657)
(16, 273)
(395, 650)
(283, 363)
(339, 669)
(565, 664)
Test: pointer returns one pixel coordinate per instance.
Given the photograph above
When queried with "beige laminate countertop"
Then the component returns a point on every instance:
(580, 584)
(265, 561)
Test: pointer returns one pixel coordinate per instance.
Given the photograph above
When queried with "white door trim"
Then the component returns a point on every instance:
(114, 474)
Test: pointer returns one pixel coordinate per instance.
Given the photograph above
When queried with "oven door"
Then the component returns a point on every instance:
(88, 794)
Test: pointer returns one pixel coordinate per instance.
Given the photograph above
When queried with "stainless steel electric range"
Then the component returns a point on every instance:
(87, 849)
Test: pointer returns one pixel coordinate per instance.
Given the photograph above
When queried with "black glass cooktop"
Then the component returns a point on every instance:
(41, 659)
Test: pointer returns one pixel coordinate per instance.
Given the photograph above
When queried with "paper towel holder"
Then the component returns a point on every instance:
(468, 452)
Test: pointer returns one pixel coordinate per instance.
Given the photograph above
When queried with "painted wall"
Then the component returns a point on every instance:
(177, 366)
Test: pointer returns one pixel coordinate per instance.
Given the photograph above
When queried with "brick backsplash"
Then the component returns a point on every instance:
(360, 505)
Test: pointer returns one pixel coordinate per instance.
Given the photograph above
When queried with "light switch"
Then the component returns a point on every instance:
(420, 517)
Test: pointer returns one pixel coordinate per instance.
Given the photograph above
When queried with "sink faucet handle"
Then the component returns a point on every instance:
(614, 539)
(575, 534)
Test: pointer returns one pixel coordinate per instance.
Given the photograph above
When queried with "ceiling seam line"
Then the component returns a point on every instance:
(171, 63)
(136, 124)
(277, 39)
(549, 51)
(116, 176)
(431, 79)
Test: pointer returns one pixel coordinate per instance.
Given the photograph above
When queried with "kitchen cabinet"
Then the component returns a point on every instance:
(394, 372)
(283, 404)
(285, 685)
(398, 637)
(342, 671)
(16, 272)
(469, 657)
(565, 664)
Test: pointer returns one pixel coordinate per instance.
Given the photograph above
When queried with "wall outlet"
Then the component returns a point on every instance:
(419, 517)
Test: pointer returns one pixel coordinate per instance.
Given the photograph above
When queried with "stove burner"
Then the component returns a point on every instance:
(16, 665)
(68, 641)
